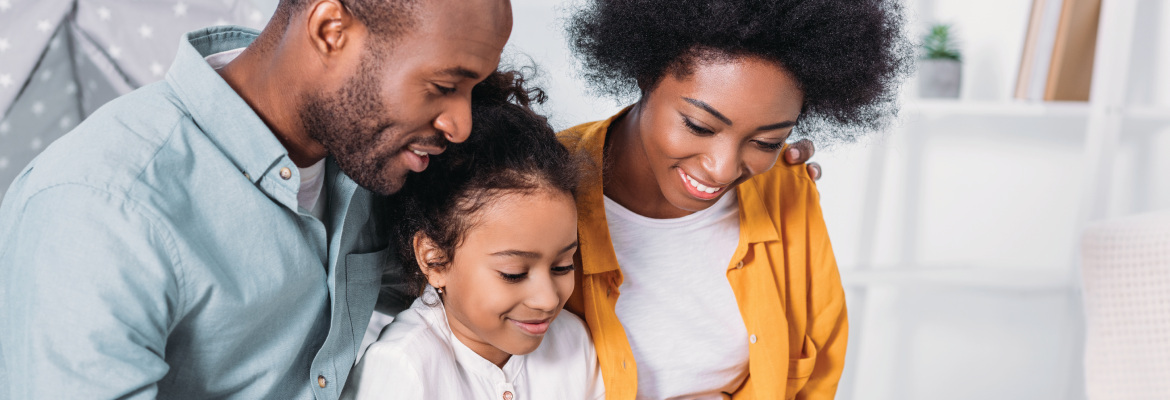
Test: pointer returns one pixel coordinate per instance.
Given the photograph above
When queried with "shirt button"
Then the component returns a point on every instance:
(751, 338)
(285, 173)
(321, 379)
(246, 176)
(740, 265)
(507, 395)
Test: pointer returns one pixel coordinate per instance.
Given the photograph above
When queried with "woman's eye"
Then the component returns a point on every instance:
(563, 270)
(445, 90)
(513, 278)
(769, 146)
(696, 129)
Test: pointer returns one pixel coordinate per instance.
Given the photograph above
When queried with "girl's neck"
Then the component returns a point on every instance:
(628, 178)
(473, 342)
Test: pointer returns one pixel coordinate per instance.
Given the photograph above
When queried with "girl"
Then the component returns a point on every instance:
(487, 233)
(707, 272)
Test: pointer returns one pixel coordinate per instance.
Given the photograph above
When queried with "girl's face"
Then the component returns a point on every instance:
(713, 129)
(511, 274)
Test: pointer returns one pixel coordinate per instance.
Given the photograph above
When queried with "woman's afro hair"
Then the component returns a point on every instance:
(848, 56)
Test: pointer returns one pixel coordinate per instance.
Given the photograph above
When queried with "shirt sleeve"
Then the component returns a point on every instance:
(828, 326)
(88, 296)
(384, 374)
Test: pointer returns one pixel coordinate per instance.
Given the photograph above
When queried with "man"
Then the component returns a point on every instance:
(206, 236)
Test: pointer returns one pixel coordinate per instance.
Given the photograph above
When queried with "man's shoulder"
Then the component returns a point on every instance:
(110, 149)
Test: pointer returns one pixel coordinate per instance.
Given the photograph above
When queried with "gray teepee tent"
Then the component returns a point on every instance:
(62, 59)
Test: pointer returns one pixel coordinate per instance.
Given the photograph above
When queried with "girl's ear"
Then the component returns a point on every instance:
(426, 253)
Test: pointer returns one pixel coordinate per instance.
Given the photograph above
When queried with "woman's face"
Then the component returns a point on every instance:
(716, 127)
(511, 274)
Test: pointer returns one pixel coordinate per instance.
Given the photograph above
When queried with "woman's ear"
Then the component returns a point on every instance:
(426, 253)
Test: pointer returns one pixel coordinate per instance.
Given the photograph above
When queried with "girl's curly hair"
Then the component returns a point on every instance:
(511, 149)
(847, 56)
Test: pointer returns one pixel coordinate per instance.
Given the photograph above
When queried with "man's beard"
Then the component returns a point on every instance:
(352, 123)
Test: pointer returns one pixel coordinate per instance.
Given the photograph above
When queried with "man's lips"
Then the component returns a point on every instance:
(417, 157)
(533, 327)
(698, 188)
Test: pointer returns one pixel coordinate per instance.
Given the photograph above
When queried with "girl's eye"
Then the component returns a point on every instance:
(563, 270)
(769, 146)
(513, 278)
(445, 90)
(696, 129)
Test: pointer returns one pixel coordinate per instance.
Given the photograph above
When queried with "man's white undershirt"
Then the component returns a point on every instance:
(676, 304)
(312, 177)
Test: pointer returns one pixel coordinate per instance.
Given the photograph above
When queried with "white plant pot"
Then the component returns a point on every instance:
(939, 78)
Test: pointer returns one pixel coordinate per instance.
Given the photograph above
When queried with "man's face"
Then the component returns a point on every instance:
(409, 98)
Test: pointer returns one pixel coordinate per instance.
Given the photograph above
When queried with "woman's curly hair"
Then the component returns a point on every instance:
(847, 56)
(510, 149)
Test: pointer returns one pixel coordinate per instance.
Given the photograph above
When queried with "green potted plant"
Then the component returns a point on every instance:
(940, 70)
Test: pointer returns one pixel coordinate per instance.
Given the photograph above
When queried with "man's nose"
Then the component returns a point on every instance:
(455, 121)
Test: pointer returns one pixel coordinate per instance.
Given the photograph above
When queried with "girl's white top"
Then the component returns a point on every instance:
(417, 357)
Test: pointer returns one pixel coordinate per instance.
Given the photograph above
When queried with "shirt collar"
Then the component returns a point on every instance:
(216, 108)
(755, 222)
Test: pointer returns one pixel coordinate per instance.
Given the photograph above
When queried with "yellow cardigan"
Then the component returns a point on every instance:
(783, 274)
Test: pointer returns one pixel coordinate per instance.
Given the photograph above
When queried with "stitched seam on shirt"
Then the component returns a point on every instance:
(152, 220)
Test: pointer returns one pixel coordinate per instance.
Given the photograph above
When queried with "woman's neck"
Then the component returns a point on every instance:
(628, 177)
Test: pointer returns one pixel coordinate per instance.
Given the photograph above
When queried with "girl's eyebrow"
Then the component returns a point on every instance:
(529, 254)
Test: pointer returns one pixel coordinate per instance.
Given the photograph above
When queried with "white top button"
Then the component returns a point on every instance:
(752, 338)
(285, 173)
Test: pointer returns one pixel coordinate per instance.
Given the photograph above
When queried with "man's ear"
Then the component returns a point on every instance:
(331, 27)
(427, 253)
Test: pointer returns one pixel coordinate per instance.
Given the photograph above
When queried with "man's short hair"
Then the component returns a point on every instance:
(385, 18)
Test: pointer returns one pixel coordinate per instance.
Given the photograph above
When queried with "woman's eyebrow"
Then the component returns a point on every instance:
(709, 109)
(780, 125)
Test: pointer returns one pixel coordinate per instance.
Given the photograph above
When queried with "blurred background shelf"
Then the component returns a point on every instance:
(1025, 280)
(989, 108)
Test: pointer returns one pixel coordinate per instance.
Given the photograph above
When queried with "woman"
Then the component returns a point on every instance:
(707, 269)
(489, 231)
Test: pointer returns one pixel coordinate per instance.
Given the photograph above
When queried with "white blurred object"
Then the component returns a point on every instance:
(1126, 270)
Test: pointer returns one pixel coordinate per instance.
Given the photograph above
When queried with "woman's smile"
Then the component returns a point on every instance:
(700, 189)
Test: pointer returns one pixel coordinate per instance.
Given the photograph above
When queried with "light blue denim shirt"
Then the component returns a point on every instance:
(156, 251)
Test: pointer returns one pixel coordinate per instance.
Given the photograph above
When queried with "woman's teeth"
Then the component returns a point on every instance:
(701, 187)
(419, 153)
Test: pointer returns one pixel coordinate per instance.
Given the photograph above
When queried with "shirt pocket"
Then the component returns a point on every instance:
(363, 278)
(799, 369)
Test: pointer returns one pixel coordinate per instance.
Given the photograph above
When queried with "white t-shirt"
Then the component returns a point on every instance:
(417, 357)
(312, 177)
(676, 305)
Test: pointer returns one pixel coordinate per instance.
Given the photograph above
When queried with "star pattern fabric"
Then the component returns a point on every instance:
(62, 59)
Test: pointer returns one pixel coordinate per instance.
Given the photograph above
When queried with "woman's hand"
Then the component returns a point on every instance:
(801, 152)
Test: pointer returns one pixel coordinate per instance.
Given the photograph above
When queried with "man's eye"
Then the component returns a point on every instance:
(513, 278)
(563, 270)
(445, 90)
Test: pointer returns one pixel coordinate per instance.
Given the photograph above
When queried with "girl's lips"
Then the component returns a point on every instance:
(701, 195)
(533, 327)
